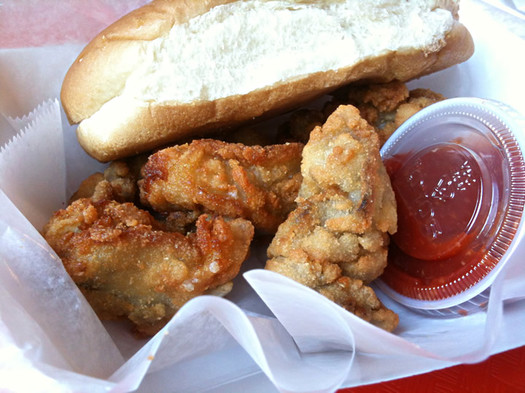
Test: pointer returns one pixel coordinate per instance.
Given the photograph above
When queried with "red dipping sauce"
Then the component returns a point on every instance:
(439, 199)
(459, 185)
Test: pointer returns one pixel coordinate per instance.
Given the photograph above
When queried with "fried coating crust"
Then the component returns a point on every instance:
(118, 182)
(385, 106)
(336, 240)
(128, 265)
(229, 179)
(300, 124)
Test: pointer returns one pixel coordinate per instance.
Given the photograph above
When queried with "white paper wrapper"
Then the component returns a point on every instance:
(270, 333)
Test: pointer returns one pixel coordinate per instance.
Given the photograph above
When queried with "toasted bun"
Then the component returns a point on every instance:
(172, 69)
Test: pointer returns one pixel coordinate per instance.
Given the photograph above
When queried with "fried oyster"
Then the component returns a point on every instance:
(257, 183)
(336, 240)
(128, 265)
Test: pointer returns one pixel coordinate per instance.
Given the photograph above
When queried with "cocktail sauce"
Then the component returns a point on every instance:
(459, 181)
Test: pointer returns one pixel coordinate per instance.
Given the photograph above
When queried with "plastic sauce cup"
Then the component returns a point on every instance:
(458, 171)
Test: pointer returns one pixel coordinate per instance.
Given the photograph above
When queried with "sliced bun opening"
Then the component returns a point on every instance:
(242, 46)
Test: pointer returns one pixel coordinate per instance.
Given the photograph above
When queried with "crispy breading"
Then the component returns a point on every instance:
(229, 179)
(118, 182)
(128, 265)
(300, 124)
(385, 97)
(336, 240)
(417, 100)
(385, 106)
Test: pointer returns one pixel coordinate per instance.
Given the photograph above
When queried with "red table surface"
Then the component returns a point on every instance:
(500, 373)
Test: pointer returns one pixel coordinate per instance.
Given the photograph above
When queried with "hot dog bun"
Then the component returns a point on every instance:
(175, 68)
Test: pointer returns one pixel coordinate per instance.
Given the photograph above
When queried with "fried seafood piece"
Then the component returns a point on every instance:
(118, 182)
(336, 240)
(386, 106)
(127, 264)
(229, 179)
(300, 124)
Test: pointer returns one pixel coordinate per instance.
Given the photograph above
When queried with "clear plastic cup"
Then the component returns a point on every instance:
(458, 170)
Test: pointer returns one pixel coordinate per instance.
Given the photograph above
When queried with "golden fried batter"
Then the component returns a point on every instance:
(336, 240)
(229, 179)
(128, 265)
(118, 182)
(300, 124)
(385, 106)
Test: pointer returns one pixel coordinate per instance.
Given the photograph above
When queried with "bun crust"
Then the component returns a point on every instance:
(131, 126)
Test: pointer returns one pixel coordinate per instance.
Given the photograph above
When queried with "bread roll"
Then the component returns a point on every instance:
(174, 68)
